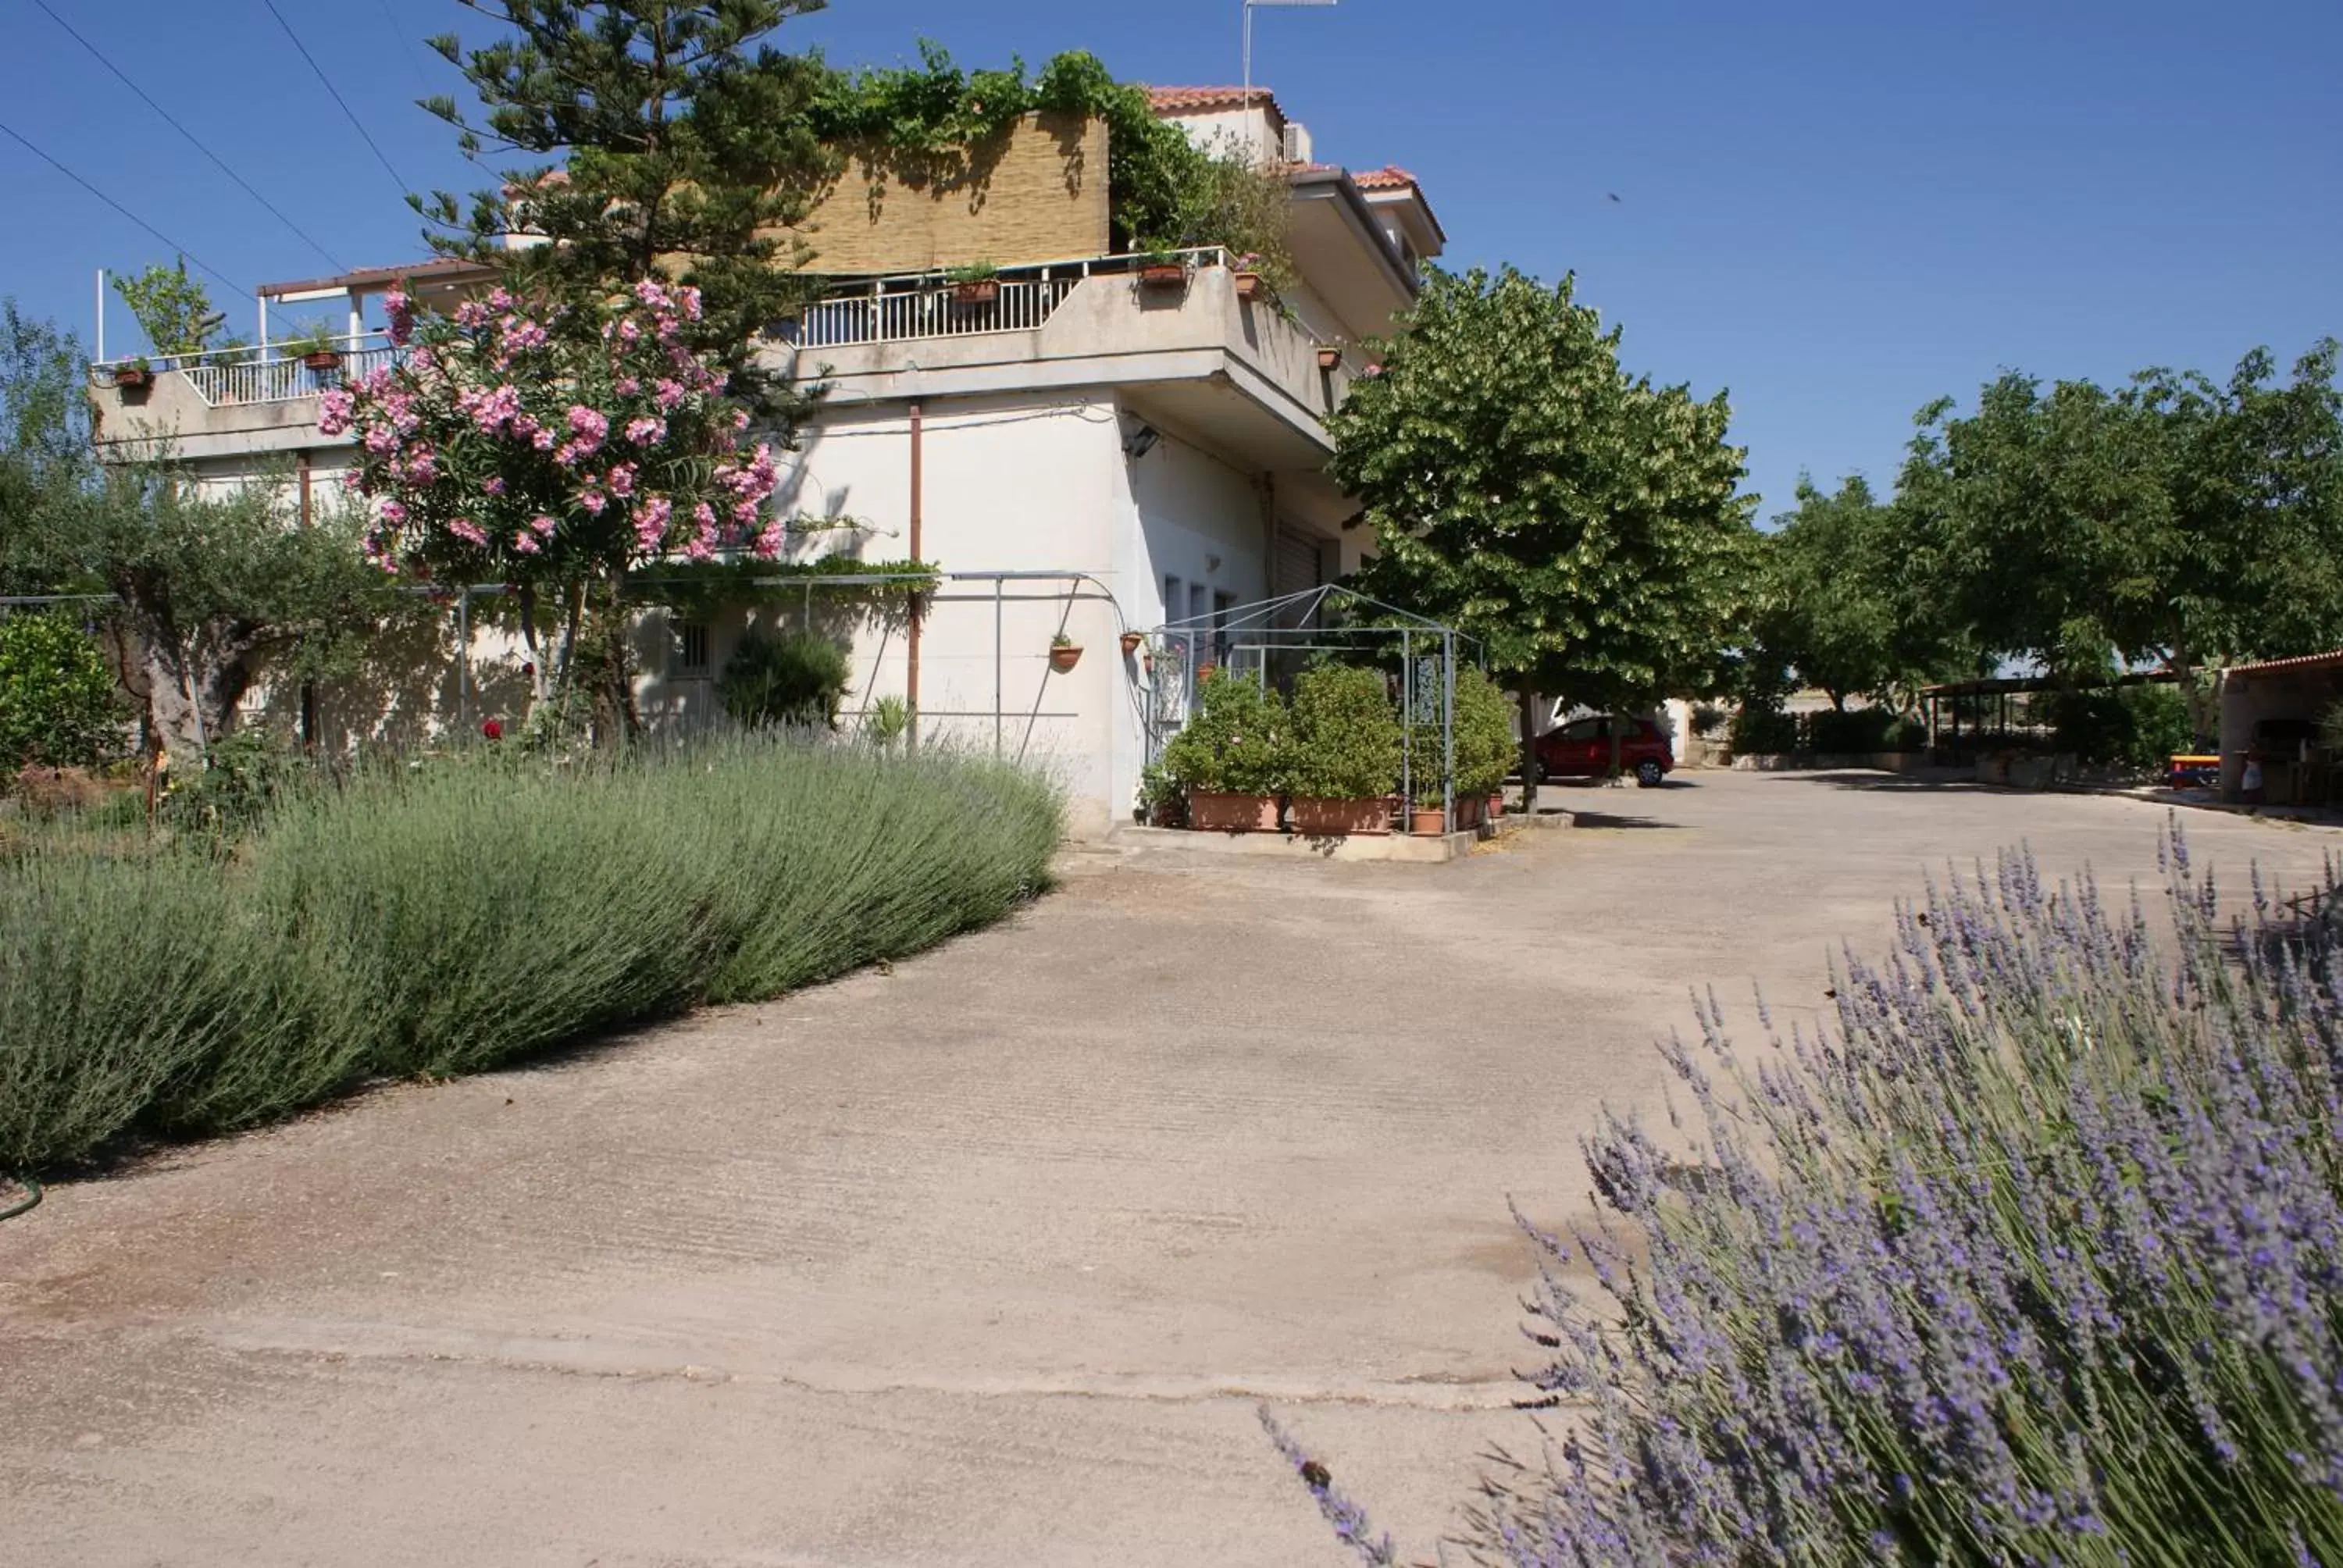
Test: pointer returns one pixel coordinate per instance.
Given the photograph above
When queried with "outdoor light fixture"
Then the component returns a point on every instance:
(1141, 441)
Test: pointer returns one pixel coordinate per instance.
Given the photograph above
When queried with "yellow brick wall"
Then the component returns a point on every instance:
(1039, 193)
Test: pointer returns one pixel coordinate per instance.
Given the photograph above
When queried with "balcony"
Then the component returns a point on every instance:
(228, 403)
(1243, 371)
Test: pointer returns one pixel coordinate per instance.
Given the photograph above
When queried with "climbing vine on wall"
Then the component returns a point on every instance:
(1164, 191)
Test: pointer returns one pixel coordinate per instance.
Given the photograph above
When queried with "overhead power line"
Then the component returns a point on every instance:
(166, 241)
(356, 124)
(338, 264)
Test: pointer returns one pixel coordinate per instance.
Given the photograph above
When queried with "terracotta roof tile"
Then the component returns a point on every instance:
(1388, 177)
(1207, 100)
(2299, 662)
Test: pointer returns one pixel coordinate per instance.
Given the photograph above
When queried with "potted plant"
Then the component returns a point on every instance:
(315, 348)
(1342, 761)
(1330, 356)
(1485, 751)
(1131, 641)
(1162, 803)
(1247, 276)
(136, 376)
(977, 283)
(1231, 759)
(1160, 269)
(1064, 653)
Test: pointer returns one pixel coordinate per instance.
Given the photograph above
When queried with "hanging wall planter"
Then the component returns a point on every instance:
(1248, 286)
(132, 378)
(984, 291)
(1064, 655)
(322, 360)
(1163, 275)
(1329, 358)
(1131, 641)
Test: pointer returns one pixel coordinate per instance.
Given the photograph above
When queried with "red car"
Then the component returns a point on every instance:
(1581, 749)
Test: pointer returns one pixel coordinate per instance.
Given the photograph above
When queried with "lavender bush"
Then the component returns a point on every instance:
(2032, 1259)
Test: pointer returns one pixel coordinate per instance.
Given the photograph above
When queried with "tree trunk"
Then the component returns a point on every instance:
(1528, 700)
(192, 690)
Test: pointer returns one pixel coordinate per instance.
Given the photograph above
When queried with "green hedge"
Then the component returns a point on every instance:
(1346, 736)
(452, 919)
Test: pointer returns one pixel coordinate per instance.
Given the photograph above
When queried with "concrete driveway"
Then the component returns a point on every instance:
(985, 1260)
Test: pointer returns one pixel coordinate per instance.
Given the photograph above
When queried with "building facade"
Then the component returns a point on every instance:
(1089, 449)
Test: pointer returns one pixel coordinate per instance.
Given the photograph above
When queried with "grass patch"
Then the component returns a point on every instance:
(456, 917)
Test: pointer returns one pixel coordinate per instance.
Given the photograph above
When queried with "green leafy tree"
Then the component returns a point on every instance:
(2175, 522)
(58, 700)
(1579, 521)
(1839, 601)
(686, 153)
(173, 309)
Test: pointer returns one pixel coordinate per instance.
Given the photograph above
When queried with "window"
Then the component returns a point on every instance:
(691, 648)
(1175, 598)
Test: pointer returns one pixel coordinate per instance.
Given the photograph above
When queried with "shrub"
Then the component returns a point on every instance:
(1760, 732)
(1485, 749)
(1345, 736)
(2133, 726)
(2033, 1259)
(59, 704)
(452, 917)
(797, 679)
(1857, 732)
(1235, 740)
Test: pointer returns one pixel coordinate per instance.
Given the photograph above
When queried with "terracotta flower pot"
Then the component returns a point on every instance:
(130, 377)
(1163, 275)
(1427, 821)
(1468, 812)
(322, 360)
(1248, 286)
(1205, 672)
(1496, 806)
(983, 292)
(1130, 642)
(1064, 657)
(1219, 812)
(1333, 819)
(1329, 358)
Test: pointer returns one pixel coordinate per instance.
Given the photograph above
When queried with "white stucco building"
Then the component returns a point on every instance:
(1086, 453)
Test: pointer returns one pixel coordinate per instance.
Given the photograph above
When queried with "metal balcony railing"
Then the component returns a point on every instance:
(267, 373)
(932, 304)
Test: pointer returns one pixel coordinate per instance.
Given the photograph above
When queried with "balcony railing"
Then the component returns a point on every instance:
(932, 304)
(267, 373)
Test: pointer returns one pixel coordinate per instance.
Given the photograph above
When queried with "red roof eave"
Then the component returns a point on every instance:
(2299, 662)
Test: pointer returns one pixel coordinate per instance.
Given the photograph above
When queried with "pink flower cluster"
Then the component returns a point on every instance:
(476, 463)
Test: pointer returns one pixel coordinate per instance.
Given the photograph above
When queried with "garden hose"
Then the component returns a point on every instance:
(32, 1199)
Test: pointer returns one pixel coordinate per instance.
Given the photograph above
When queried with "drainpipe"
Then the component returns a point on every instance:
(912, 676)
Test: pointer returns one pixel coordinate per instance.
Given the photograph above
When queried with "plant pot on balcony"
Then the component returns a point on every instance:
(1329, 358)
(1131, 641)
(983, 292)
(1163, 275)
(1064, 656)
(322, 360)
(132, 378)
(1249, 286)
(1218, 811)
(1312, 818)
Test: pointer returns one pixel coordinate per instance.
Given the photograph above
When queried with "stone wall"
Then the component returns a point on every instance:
(1037, 193)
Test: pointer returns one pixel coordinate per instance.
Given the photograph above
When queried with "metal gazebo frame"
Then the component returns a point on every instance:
(1273, 638)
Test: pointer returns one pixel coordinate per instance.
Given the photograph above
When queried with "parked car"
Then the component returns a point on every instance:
(1581, 749)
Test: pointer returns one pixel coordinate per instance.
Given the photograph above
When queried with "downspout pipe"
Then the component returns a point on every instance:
(911, 674)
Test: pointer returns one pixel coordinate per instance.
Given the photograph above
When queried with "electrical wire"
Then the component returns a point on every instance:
(168, 241)
(356, 124)
(193, 140)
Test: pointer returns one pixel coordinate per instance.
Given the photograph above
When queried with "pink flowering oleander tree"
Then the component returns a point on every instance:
(553, 451)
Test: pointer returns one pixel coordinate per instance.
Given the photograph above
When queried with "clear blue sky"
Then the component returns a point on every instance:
(1836, 210)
